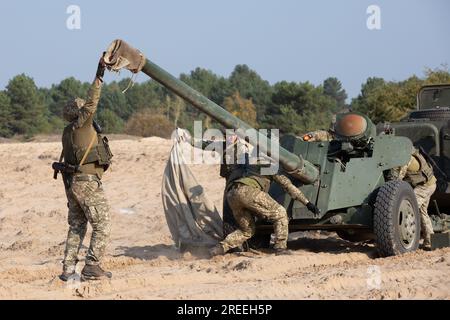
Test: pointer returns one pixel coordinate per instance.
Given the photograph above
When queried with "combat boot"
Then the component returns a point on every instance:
(94, 272)
(282, 251)
(68, 271)
(426, 243)
(216, 251)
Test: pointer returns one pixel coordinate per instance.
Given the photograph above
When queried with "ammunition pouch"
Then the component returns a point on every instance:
(101, 153)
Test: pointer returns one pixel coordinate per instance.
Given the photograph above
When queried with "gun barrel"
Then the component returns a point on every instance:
(293, 164)
(121, 55)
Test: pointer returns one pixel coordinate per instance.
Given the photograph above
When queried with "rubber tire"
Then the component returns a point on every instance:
(432, 114)
(385, 217)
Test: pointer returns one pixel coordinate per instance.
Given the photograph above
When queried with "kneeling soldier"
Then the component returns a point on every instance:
(248, 197)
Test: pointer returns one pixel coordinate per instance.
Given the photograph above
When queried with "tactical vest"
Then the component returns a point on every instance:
(253, 172)
(423, 175)
(100, 153)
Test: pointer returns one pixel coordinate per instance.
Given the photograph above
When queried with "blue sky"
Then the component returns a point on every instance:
(282, 40)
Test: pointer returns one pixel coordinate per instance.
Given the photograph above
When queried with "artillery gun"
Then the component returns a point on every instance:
(344, 178)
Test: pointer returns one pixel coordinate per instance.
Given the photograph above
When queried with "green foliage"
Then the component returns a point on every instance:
(114, 100)
(300, 107)
(437, 76)
(5, 115)
(28, 112)
(68, 89)
(140, 96)
(174, 108)
(149, 109)
(332, 88)
(110, 121)
(251, 86)
(242, 108)
(391, 101)
(146, 123)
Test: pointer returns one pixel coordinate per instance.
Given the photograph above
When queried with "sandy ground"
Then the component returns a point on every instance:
(147, 266)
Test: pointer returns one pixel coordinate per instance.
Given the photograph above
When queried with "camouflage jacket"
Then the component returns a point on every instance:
(317, 136)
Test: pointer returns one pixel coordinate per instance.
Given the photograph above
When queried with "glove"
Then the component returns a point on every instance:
(101, 68)
(311, 207)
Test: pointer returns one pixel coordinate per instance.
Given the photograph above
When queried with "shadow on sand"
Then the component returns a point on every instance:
(162, 250)
(333, 245)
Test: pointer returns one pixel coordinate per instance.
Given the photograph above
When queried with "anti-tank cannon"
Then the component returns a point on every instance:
(345, 178)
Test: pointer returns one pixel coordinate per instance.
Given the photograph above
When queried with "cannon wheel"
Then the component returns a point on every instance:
(396, 220)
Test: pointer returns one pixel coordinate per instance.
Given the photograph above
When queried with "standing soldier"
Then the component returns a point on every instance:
(248, 197)
(419, 174)
(86, 156)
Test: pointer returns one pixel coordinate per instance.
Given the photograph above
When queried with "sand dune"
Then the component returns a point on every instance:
(141, 254)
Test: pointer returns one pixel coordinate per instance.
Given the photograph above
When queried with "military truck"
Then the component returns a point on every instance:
(428, 127)
(344, 178)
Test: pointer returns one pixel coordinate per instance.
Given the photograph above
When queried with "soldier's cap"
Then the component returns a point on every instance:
(72, 108)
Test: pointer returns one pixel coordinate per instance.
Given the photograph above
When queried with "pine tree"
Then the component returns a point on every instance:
(28, 111)
(5, 115)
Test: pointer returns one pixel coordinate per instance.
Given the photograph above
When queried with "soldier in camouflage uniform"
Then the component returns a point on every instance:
(419, 174)
(233, 151)
(88, 154)
(318, 136)
(248, 197)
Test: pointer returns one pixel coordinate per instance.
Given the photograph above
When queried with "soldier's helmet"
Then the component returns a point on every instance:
(72, 108)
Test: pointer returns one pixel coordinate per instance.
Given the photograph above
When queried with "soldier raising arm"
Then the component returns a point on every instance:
(87, 155)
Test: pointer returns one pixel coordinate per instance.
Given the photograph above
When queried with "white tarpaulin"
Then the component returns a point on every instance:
(192, 218)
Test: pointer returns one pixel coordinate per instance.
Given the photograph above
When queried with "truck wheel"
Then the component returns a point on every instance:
(396, 220)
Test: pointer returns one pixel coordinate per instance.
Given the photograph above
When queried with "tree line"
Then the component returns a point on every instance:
(148, 109)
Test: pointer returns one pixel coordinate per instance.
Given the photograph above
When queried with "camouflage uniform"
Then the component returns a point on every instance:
(419, 174)
(232, 153)
(87, 203)
(84, 191)
(317, 136)
(248, 197)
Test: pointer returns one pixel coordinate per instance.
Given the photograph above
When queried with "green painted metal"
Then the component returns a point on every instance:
(292, 163)
(336, 188)
(440, 240)
(343, 186)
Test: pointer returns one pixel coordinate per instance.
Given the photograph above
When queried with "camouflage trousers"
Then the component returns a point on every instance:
(423, 194)
(246, 202)
(87, 203)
